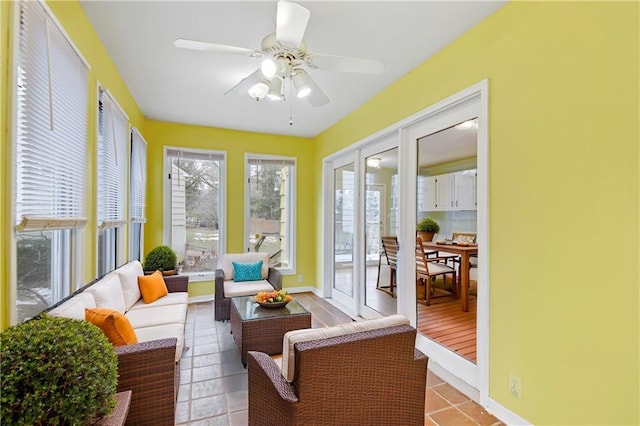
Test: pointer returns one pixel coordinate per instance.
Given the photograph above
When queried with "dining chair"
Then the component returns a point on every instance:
(469, 237)
(428, 269)
(390, 253)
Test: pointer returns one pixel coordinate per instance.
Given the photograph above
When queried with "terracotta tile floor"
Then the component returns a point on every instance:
(213, 382)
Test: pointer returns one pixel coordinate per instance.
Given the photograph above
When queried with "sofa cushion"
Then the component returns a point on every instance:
(148, 334)
(152, 287)
(179, 298)
(114, 324)
(129, 274)
(245, 288)
(171, 314)
(108, 293)
(226, 262)
(74, 307)
(247, 271)
(307, 334)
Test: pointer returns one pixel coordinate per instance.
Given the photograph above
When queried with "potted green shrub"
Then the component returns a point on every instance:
(56, 371)
(161, 258)
(426, 228)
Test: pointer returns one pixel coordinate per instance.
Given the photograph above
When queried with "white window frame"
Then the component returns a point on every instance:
(112, 181)
(290, 207)
(52, 213)
(137, 193)
(222, 202)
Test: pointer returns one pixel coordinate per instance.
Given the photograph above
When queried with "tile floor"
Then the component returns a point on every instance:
(213, 382)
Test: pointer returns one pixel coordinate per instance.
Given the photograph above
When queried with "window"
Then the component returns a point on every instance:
(270, 209)
(113, 155)
(50, 162)
(194, 195)
(137, 182)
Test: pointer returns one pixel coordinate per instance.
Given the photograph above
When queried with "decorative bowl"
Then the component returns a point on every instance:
(272, 304)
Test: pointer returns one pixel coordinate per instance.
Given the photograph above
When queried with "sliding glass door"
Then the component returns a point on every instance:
(343, 288)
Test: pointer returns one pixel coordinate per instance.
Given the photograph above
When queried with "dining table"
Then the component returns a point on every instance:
(465, 251)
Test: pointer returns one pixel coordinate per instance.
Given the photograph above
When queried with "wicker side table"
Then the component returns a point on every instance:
(255, 328)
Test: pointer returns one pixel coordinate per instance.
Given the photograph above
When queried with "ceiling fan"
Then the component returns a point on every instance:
(284, 59)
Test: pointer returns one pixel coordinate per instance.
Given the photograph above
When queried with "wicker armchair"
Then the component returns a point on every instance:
(223, 303)
(374, 377)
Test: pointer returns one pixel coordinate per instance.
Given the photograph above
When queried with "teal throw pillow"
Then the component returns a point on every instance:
(247, 271)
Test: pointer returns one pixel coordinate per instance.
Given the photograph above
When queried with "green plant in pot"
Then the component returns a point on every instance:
(161, 258)
(56, 371)
(426, 228)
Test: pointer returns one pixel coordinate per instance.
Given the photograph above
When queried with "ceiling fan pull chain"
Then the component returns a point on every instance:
(290, 99)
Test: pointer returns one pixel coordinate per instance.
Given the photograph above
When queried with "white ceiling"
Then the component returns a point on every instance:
(185, 86)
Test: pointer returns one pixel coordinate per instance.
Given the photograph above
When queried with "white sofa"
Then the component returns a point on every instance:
(149, 368)
(226, 287)
(119, 290)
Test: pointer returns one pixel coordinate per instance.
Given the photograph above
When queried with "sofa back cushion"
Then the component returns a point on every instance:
(307, 334)
(75, 306)
(108, 292)
(114, 324)
(129, 274)
(226, 262)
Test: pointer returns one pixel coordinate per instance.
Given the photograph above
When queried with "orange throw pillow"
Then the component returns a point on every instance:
(114, 324)
(152, 287)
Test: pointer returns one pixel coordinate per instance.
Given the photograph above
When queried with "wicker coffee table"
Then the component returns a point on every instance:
(255, 328)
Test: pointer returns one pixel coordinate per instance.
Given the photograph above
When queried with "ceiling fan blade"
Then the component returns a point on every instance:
(204, 46)
(246, 83)
(344, 64)
(317, 98)
(291, 23)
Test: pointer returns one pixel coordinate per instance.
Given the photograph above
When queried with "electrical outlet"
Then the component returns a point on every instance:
(515, 386)
(299, 278)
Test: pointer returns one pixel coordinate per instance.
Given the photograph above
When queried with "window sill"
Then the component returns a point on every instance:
(195, 277)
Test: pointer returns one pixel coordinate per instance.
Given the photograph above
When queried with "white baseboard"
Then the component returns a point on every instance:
(200, 299)
(505, 415)
(454, 381)
(293, 290)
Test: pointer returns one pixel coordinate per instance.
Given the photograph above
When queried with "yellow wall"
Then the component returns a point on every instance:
(235, 144)
(564, 188)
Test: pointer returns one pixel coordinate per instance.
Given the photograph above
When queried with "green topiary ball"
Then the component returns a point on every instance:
(56, 371)
(161, 258)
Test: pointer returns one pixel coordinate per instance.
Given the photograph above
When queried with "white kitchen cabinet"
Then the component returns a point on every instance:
(444, 192)
(449, 191)
(464, 188)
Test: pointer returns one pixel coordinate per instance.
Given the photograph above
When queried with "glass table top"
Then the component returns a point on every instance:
(250, 310)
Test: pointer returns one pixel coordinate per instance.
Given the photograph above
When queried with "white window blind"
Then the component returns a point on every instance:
(113, 136)
(52, 117)
(138, 177)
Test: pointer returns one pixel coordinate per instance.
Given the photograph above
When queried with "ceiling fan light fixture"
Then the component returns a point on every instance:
(300, 82)
(269, 67)
(275, 92)
(259, 90)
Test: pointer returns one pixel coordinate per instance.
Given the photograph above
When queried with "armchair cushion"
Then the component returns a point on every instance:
(247, 271)
(246, 288)
(308, 334)
(226, 263)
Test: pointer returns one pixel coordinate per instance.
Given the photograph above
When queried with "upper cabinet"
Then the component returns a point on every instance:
(450, 191)
(465, 190)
